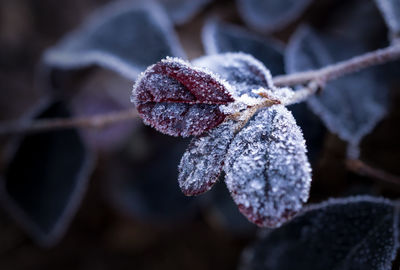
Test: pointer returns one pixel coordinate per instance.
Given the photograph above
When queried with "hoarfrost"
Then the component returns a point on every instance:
(267, 171)
(202, 162)
(352, 233)
(179, 99)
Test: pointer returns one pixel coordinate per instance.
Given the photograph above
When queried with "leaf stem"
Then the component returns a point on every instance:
(340, 69)
(95, 121)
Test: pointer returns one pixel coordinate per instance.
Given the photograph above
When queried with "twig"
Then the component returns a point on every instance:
(314, 79)
(95, 121)
(361, 168)
(340, 69)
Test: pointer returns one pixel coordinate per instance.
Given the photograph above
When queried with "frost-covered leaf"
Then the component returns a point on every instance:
(267, 171)
(145, 187)
(179, 99)
(181, 11)
(103, 92)
(270, 15)
(46, 179)
(353, 233)
(242, 71)
(391, 13)
(349, 106)
(201, 164)
(124, 37)
(220, 37)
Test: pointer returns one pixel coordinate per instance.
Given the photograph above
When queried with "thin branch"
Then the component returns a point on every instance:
(361, 168)
(95, 121)
(340, 69)
(314, 80)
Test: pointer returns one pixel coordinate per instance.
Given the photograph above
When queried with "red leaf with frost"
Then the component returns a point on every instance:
(180, 100)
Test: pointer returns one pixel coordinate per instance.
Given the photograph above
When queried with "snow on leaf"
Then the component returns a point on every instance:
(349, 106)
(220, 37)
(201, 164)
(271, 15)
(353, 233)
(243, 72)
(46, 179)
(179, 99)
(390, 10)
(181, 11)
(124, 37)
(267, 171)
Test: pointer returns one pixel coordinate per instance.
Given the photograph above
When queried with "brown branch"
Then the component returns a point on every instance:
(361, 168)
(95, 121)
(340, 69)
(314, 79)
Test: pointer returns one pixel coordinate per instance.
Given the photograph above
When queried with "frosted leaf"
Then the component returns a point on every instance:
(181, 11)
(201, 164)
(179, 99)
(46, 179)
(220, 37)
(391, 13)
(124, 37)
(354, 233)
(267, 172)
(243, 72)
(271, 15)
(349, 106)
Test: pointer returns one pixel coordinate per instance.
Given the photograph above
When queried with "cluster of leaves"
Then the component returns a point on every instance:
(259, 151)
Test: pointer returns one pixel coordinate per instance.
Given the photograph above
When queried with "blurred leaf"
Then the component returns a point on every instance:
(125, 37)
(181, 11)
(271, 15)
(146, 189)
(219, 37)
(349, 106)
(46, 179)
(353, 233)
(104, 92)
(391, 13)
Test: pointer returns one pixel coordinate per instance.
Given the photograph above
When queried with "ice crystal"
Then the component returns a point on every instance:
(202, 162)
(179, 99)
(267, 171)
(352, 233)
(243, 72)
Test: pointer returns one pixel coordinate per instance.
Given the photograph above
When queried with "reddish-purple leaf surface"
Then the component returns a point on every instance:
(180, 100)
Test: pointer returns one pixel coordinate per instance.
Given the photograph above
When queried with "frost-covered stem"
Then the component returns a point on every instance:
(95, 121)
(359, 167)
(340, 69)
(303, 94)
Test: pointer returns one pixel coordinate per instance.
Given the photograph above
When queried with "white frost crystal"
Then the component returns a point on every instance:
(267, 171)
(202, 162)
